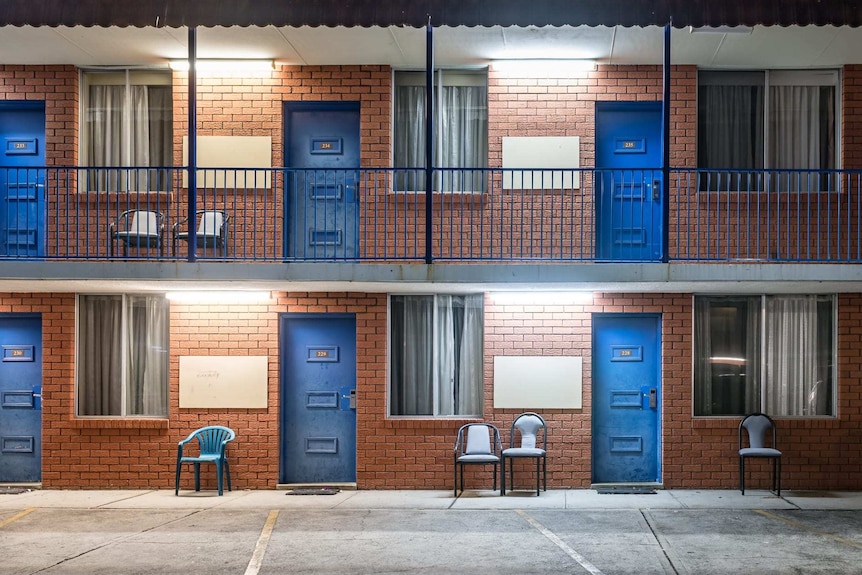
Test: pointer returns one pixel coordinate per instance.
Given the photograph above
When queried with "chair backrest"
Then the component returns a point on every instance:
(144, 223)
(528, 425)
(757, 425)
(478, 439)
(211, 224)
(213, 438)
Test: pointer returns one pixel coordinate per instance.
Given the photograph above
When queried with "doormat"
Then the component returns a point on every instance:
(626, 490)
(13, 490)
(314, 491)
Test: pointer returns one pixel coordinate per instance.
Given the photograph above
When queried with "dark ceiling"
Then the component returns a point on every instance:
(415, 13)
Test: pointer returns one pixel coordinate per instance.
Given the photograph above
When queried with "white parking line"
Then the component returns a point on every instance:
(262, 541)
(582, 561)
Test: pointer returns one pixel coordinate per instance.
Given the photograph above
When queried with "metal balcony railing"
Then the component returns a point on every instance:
(381, 215)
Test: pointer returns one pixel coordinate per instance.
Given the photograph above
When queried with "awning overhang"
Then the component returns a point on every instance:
(415, 13)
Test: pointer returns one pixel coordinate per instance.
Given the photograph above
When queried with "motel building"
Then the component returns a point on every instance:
(344, 230)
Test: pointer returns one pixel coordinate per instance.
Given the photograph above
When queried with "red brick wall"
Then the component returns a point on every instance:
(416, 453)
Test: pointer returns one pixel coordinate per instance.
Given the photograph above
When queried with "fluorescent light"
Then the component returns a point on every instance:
(543, 298)
(543, 68)
(219, 297)
(232, 66)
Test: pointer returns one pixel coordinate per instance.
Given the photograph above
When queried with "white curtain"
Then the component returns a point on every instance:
(461, 137)
(792, 353)
(129, 126)
(436, 355)
(410, 138)
(147, 363)
(470, 366)
(122, 353)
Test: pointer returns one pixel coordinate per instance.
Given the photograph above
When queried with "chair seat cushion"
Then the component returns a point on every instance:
(478, 459)
(523, 452)
(759, 452)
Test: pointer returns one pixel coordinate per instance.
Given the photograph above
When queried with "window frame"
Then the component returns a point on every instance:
(389, 358)
(157, 177)
(767, 78)
(763, 368)
(125, 347)
(442, 77)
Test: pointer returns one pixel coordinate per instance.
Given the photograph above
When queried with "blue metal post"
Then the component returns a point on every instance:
(429, 141)
(665, 161)
(193, 147)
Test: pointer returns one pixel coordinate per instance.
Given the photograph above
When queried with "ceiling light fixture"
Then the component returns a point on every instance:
(217, 65)
(543, 67)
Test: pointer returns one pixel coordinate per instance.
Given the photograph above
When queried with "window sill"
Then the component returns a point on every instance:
(120, 423)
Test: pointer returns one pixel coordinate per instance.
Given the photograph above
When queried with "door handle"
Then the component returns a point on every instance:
(656, 190)
(352, 397)
(653, 398)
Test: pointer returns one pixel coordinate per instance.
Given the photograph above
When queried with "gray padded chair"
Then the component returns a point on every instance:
(477, 444)
(534, 444)
(758, 426)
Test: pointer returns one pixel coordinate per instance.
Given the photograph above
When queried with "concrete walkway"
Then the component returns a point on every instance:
(429, 533)
(470, 499)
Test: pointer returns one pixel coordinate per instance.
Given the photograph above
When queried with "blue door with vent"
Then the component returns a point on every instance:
(626, 398)
(318, 398)
(20, 398)
(322, 161)
(22, 179)
(628, 181)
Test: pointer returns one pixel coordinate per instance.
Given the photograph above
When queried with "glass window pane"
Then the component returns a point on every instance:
(122, 360)
(727, 355)
(793, 373)
(435, 350)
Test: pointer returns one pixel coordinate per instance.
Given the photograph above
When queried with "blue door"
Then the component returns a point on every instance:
(322, 157)
(318, 398)
(22, 180)
(628, 181)
(626, 398)
(20, 398)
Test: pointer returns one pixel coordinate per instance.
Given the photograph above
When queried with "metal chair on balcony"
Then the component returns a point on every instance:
(137, 229)
(211, 236)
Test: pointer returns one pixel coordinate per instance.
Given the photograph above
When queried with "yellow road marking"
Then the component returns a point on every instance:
(809, 529)
(16, 517)
(262, 541)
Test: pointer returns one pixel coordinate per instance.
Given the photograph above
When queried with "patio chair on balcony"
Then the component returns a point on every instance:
(211, 235)
(137, 229)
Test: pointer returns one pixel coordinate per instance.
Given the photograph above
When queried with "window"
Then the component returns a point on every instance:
(461, 130)
(767, 120)
(127, 123)
(122, 366)
(435, 355)
(774, 354)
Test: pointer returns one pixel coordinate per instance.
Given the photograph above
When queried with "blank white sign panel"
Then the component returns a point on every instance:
(531, 382)
(223, 381)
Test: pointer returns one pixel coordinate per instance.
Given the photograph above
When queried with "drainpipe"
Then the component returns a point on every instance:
(665, 161)
(429, 139)
(193, 145)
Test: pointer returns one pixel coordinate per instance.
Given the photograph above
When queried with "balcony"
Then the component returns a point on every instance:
(382, 215)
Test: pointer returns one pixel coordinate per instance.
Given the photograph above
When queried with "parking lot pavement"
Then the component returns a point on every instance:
(428, 532)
